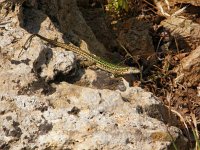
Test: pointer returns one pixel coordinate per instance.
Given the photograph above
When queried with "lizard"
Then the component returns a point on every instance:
(99, 62)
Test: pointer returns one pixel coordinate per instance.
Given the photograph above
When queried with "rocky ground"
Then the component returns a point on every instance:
(49, 100)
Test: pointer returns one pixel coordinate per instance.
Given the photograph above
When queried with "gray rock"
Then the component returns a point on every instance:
(77, 117)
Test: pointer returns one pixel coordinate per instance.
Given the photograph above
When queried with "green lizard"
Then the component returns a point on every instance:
(100, 63)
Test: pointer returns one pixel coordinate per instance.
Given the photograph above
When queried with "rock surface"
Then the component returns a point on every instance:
(188, 71)
(135, 37)
(185, 32)
(36, 112)
(76, 117)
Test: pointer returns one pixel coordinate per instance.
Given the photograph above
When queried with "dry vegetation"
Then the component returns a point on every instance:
(160, 73)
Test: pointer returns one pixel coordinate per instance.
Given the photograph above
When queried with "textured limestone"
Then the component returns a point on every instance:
(77, 117)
